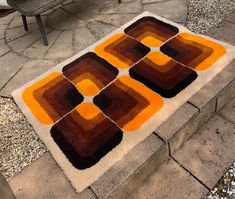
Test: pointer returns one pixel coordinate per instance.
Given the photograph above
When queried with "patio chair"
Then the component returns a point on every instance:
(35, 8)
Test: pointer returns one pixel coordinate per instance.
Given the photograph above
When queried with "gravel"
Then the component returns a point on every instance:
(19, 144)
(225, 188)
(206, 14)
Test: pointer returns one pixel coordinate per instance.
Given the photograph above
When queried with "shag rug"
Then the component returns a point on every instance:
(95, 107)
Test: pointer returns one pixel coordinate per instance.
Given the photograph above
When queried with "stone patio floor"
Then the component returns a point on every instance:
(70, 28)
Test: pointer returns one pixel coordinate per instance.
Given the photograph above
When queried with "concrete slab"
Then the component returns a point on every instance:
(79, 42)
(210, 152)
(214, 87)
(37, 50)
(4, 48)
(169, 181)
(2, 31)
(8, 18)
(226, 95)
(63, 46)
(231, 18)
(228, 112)
(175, 10)
(138, 163)
(44, 179)
(224, 32)
(175, 130)
(29, 71)
(100, 29)
(9, 65)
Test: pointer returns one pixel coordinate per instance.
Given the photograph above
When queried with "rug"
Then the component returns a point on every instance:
(95, 107)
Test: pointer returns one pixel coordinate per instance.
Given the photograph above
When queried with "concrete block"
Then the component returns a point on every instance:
(169, 181)
(228, 112)
(44, 179)
(224, 32)
(210, 152)
(137, 164)
(173, 130)
(226, 95)
(9, 65)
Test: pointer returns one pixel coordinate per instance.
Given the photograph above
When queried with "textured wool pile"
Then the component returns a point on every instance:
(95, 107)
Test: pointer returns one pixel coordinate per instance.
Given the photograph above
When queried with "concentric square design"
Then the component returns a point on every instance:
(121, 50)
(128, 103)
(151, 31)
(162, 74)
(51, 98)
(85, 135)
(193, 51)
(92, 111)
(90, 73)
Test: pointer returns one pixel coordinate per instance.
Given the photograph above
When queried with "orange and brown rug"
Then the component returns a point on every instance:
(95, 107)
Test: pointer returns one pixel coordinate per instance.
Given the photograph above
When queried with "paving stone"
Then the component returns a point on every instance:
(226, 95)
(192, 126)
(44, 179)
(176, 129)
(5, 20)
(38, 49)
(29, 71)
(229, 111)
(4, 48)
(116, 19)
(67, 2)
(133, 7)
(210, 91)
(137, 164)
(169, 181)
(127, 1)
(21, 43)
(231, 18)
(152, 1)
(210, 152)
(2, 31)
(100, 29)
(5, 190)
(175, 10)
(17, 21)
(112, 7)
(62, 20)
(224, 32)
(14, 33)
(63, 46)
(83, 39)
(48, 12)
(85, 10)
(9, 65)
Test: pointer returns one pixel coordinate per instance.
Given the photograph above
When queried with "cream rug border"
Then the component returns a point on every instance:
(81, 179)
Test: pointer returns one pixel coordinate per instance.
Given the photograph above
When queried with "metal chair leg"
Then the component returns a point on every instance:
(42, 30)
(25, 22)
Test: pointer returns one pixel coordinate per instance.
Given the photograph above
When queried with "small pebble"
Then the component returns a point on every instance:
(19, 144)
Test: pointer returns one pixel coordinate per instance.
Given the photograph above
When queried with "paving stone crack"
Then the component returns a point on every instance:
(190, 173)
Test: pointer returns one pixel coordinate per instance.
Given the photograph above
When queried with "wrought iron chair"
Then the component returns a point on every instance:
(35, 8)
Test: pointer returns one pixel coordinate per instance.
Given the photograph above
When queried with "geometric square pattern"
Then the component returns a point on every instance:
(121, 50)
(151, 31)
(51, 98)
(162, 74)
(128, 103)
(193, 51)
(92, 111)
(90, 73)
(85, 135)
